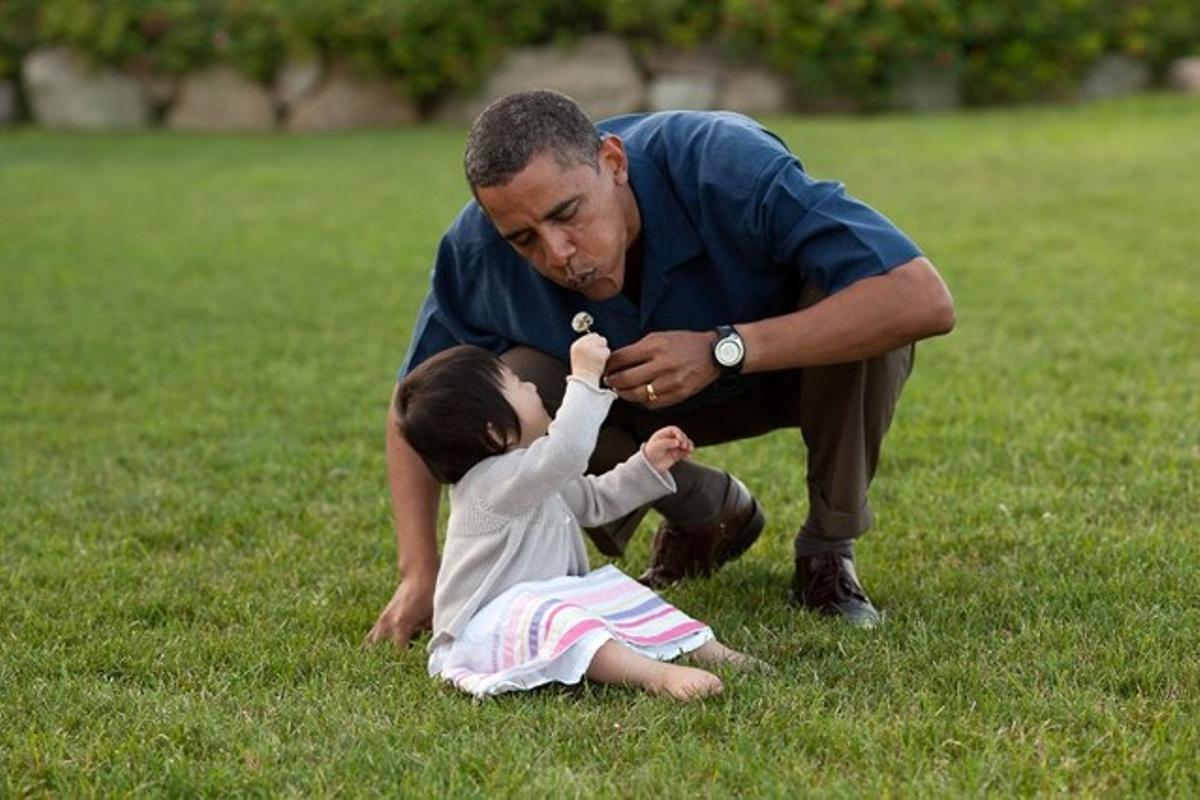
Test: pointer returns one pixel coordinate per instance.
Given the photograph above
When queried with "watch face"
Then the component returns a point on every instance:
(728, 352)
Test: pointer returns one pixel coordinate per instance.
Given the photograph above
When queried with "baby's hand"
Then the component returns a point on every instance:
(589, 354)
(666, 446)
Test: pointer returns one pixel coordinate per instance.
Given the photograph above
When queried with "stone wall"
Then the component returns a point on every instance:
(62, 91)
(599, 71)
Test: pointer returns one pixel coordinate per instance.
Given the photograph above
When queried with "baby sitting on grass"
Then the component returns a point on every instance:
(515, 605)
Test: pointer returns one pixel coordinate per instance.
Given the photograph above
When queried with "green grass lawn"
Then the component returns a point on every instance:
(198, 336)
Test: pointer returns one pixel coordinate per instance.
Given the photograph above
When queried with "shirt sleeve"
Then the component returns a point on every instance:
(441, 322)
(597, 499)
(832, 238)
(749, 183)
(430, 337)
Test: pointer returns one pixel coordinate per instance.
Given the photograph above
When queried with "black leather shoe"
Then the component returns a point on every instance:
(827, 583)
(682, 552)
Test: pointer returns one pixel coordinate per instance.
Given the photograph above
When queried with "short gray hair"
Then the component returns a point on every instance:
(517, 127)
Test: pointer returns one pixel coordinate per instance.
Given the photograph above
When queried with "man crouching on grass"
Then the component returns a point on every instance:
(739, 294)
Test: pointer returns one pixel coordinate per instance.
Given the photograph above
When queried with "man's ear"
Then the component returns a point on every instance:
(612, 155)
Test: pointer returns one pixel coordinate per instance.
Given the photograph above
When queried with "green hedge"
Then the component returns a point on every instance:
(1004, 50)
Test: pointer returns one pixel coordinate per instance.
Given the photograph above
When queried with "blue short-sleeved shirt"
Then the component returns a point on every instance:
(732, 227)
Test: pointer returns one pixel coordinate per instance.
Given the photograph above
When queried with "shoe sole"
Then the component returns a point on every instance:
(865, 622)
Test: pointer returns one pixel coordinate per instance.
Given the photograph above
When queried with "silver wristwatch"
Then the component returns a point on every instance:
(729, 351)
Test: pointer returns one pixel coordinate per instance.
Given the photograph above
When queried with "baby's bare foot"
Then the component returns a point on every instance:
(686, 683)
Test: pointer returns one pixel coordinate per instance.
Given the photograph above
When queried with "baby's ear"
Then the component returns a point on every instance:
(496, 437)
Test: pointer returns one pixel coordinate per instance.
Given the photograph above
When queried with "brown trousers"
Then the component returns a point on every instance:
(842, 411)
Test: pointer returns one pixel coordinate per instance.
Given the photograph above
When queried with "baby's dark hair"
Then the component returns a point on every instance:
(444, 408)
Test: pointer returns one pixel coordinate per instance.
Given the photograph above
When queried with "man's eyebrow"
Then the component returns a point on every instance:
(551, 214)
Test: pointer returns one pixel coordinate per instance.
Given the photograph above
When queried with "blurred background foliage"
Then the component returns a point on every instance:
(1003, 50)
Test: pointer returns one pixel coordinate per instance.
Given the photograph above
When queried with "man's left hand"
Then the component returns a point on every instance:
(662, 368)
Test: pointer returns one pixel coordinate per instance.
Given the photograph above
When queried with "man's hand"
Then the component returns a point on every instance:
(677, 364)
(588, 356)
(409, 612)
(666, 447)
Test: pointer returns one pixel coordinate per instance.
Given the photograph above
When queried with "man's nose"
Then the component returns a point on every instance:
(559, 250)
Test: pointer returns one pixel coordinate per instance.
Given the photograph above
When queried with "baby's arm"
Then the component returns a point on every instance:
(640, 479)
(562, 454)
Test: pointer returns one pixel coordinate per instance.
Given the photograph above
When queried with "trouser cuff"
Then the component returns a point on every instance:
(824, 525)
(816, 546)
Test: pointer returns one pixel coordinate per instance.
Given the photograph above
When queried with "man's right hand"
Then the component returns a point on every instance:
(408, 613)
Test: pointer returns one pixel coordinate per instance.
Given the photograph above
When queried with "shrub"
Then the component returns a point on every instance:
(170, 36)
(17, 33)
(840, 48)
(683, 24)
(1004, 50)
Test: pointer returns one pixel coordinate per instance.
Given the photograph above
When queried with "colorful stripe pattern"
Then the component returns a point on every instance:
(532, 624)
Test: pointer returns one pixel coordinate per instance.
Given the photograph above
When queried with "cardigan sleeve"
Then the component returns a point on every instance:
(597, 499)
(554, 460)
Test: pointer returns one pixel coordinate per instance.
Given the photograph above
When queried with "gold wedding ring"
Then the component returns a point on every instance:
(651, 395)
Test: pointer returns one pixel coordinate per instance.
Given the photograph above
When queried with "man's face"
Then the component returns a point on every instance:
(573, 224)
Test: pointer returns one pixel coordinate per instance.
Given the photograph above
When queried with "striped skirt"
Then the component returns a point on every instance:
(548, 631)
